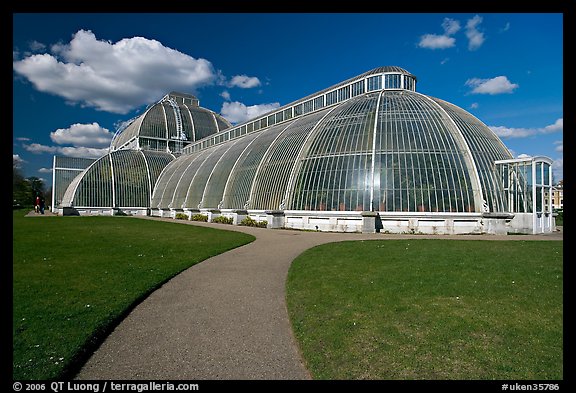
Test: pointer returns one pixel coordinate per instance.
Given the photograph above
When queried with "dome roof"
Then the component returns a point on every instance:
(169, 125)
(386, 150)
(386, 69)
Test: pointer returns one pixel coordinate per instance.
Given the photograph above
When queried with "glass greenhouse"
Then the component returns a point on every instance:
(367, 154)
(123, 180)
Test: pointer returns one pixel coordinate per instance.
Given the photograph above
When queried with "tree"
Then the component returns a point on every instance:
(24, 190)
(21, 189)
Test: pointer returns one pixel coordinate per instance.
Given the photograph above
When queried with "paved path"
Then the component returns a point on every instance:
(224, 318)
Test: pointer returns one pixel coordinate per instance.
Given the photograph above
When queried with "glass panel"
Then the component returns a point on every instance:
(538, 199)
(308, 106)
(334, 173)
(198, 183)
(154, 124)
(279, 117)
(357, 88)
(204, 123)
(539, 173)
(213, 194)
(332, 97)
(298, 110)
(272, 179)
(392, 81)
(238, 189)
(485, 148)
(546, 174)
(375, 83)
(343, 93)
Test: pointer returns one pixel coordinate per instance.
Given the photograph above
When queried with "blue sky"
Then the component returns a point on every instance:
(76, 77)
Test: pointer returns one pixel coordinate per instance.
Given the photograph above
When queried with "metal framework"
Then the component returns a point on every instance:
(371, 143)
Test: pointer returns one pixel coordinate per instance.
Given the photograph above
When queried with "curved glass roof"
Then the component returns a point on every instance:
(388, 150)
(169, 125)
(120, 179)
(370, 143)
(381, 78)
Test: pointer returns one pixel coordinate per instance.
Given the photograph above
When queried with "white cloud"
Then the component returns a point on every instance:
(37, 148)
(244, 81)
(441, 41)
(444, 61)
(558, 169)
(45, 170)
(114, 77)
(558, 126)
(474, 105)
(68, 151)
(435, 41)
(17, 161)
(509, 132)
(450, 26)
(83, 152)
(236, 112)
(87, 140)
(497, 85)
(226, 95)
(524, 155)
(559, 146)
(36, 46)
(475, 37)
(505, 28)
(83, 135)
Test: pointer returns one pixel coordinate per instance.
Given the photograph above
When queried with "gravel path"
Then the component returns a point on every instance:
(224, 318)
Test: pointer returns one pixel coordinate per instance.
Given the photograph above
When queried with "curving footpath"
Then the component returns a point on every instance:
(224, 318)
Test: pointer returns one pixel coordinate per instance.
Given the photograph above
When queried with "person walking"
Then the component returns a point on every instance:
(37, 204)
(42, 204)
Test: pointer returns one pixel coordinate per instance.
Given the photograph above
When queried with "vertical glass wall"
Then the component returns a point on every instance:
(527, 182)
(516, 178)
(64, 170)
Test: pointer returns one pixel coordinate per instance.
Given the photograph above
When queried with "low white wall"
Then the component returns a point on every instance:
(352, 221)
(324, 221)
(522, 223)
(432, 223)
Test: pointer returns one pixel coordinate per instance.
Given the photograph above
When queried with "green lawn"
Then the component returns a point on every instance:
(76, 277)
(429, 309)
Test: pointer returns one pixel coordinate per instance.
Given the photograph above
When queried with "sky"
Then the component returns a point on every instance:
(78, 77)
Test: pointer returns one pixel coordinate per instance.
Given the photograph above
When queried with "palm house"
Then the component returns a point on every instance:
(365, 155)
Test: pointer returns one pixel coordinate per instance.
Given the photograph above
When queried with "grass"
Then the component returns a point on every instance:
(75, 278)
(429, 309)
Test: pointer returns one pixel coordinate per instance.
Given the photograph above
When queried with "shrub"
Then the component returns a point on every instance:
(199, 217)
(181, 216)
(560, 217)
(223, 220)
(250, 222)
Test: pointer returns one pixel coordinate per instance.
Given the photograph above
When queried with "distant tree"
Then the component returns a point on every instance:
(37, 186)
(24, 190)
(21, 189)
